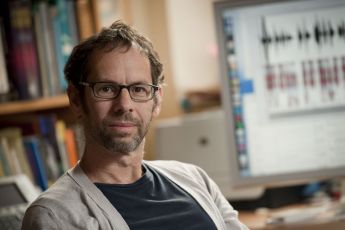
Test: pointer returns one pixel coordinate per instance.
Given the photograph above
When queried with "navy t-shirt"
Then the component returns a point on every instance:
(155, 202)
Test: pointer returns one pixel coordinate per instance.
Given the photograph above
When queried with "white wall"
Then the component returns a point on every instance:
(191, 31)
(191, 40)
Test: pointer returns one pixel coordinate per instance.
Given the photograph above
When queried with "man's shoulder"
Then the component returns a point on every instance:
(176, 167)
(65, 203)
(57, 193)
(171, 164)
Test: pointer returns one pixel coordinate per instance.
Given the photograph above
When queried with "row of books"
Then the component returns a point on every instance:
(36, 39)
(43, 149)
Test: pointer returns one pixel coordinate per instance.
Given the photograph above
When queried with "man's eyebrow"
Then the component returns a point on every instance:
(116, 83)
(139, 82)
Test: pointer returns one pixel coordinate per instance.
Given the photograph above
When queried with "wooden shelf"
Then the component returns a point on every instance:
(18, 107)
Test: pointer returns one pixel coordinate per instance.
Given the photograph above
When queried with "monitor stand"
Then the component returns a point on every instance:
(270, 198)
(241, 193)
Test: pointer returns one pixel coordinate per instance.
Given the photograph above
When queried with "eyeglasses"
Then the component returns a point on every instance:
(139, 92)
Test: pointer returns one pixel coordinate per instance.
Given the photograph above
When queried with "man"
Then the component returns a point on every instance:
(115, 81)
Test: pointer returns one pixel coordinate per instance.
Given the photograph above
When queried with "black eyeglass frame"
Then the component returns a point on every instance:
(154, 89)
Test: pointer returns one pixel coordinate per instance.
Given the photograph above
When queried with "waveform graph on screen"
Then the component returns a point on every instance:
(304, 56)
(283, 89)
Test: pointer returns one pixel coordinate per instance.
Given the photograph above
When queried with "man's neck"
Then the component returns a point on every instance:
(110, 168)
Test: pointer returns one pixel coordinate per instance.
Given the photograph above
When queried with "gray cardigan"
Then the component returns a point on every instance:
(74, 202)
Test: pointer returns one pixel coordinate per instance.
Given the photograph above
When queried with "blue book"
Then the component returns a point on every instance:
(31, 144)
(64, 37)
(48, 132)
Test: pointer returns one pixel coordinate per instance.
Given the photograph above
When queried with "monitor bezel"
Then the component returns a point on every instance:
(25, 187)
(277, 180)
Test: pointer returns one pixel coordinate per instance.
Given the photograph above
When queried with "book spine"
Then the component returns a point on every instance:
(23, 56)
(5, 161)
(63, 37)
(71, 147)
(60, 128)
(16, 140)
(49, 48)
(32, 149)
(49, 157)
(72, 21)
(41, 50)
(11, 158)
(58, 43)
(47, 125)
(4, 82)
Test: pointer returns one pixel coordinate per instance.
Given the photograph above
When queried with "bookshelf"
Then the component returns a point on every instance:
(20, 107)
(27, 127)
(38, 131)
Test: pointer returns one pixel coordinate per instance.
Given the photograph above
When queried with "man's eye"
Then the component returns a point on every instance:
(106, 89)
(139, 89)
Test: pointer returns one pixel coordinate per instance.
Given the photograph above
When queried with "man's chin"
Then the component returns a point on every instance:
(122, 147)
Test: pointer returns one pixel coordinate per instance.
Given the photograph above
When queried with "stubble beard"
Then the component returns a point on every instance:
(116, 143)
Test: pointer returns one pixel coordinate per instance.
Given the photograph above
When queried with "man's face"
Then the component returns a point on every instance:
(119, 124)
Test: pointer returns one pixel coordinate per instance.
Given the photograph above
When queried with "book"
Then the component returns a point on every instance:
(49, 158)
(71, 147)
(45, 32)
(60, 128)
(34, 154)
(22, 55)
(10, 152)
(4, 82)
(41, 49)
(5, 164)
(72, 21)
(64, 37)
(47, 126)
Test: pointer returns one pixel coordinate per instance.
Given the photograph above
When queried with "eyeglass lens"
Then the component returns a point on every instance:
(109, 90)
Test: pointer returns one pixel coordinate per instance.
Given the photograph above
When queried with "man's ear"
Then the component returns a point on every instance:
(158, 102)
(75, 100)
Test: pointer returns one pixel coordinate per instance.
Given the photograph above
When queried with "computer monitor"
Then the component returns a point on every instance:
(16, 190)
(283, 89)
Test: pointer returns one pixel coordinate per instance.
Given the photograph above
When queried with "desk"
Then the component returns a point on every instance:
(257, 221)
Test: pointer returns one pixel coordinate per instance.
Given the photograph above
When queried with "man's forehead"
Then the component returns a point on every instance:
(97, 54)
(104, 64)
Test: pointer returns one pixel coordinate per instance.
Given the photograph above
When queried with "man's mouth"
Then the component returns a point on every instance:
(122, 126)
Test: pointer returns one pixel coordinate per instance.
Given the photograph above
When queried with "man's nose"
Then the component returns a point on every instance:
(124, 100)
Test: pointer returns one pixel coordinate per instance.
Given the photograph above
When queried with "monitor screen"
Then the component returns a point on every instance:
(283, 89)
(10, 195)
